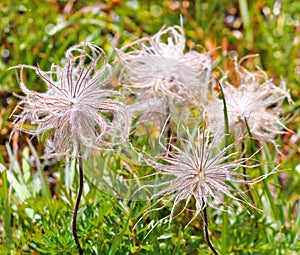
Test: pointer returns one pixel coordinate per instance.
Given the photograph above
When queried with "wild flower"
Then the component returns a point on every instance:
(255, 102)
(200, 172)
(160, 74)
(76, 105)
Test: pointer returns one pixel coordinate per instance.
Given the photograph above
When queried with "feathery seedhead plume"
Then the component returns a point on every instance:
(200, 171)
(255, 102)
(76, 106)
(160, 74)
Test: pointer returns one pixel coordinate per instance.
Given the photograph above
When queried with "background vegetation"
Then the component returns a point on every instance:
(37, 196)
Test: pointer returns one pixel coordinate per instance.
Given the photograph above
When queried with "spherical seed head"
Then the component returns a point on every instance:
(160, 74)
(256, 102)
(75, 107)
(199, 171)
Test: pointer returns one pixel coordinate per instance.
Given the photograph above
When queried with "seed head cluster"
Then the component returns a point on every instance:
(78, 109)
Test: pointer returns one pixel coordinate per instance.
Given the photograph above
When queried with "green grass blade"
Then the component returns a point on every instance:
(118, 239)
(45, 185)
(7, 214)
(225, 219)
(245, 13)
(264, 181)
(226, 122)
(297, 225)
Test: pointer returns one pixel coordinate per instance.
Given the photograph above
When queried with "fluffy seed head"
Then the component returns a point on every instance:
(76, 108)
(160, 74)
(257, 101)
(199, 171)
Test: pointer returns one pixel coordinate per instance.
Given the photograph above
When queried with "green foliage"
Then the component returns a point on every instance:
(36, 201)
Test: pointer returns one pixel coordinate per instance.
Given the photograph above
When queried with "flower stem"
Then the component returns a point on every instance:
(74, 227)
(264, 181)
(205, 221)
(245, 173)
(170, 139)
(225, 218)
(224, 234)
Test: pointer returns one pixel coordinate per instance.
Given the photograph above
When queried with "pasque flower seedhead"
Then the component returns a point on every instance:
(76, 108)
(160, 74)
(200, 171)
(255, 102)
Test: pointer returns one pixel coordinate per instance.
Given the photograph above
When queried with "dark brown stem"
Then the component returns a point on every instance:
(170, 138)
(168, 130)
(245, 177)
(76, 207)
(205, 221)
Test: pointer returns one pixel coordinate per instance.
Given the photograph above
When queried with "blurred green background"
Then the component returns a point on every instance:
(36, 32)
